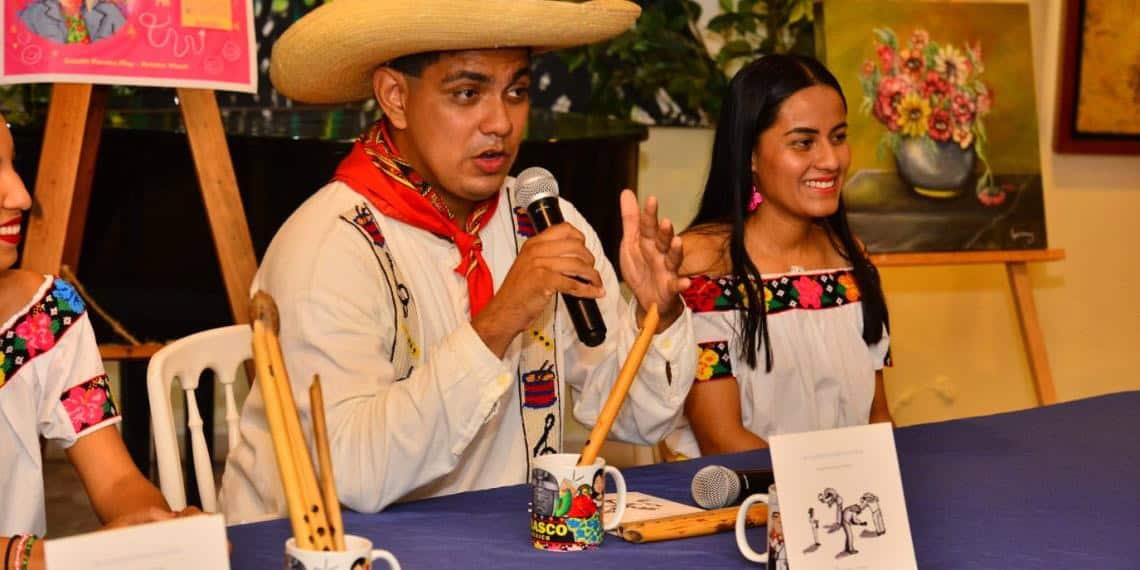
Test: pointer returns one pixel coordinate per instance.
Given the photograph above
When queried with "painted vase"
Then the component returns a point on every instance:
(935, 169)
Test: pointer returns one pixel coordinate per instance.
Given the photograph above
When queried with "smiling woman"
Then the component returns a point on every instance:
(52, 385)
(782, 277)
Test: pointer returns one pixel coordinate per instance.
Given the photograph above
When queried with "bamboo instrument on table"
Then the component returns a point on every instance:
(690, 525)
(310, 490)
(324, 458)
(276, 421)
(617, 394)
(303, 497)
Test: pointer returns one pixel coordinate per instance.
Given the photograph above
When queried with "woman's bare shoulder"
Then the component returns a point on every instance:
(706, 250)
(17, 287)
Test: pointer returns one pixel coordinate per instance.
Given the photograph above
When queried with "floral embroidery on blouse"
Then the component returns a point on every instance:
(38, 329)
(781, 293)
(713, 361)
(90, 403)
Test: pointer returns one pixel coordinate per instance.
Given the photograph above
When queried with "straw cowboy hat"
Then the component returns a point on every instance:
(328, 56)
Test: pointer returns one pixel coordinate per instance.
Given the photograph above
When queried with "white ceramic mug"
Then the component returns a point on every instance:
(777, 554)
(567, 502)
(357, 555)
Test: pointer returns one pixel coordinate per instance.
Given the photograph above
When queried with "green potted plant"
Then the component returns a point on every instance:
(662, 71)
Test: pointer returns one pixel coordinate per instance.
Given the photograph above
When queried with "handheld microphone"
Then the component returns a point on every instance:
(537, 190)
(715, 486)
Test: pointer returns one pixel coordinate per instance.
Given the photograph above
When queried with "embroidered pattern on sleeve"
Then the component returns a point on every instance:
(90, 403)
(713, 361)
(39, 329)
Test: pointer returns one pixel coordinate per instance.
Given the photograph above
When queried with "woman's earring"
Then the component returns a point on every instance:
(756, 199)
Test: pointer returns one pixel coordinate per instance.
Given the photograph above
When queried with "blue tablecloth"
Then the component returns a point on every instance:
(1054, 487)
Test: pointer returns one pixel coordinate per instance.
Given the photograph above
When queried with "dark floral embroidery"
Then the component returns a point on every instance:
(67, 297)
(712, 294)
(783, 293)
(713, 361)
(90, 403)
(39, 329)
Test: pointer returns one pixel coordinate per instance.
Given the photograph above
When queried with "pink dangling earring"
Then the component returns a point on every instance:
(756, 199)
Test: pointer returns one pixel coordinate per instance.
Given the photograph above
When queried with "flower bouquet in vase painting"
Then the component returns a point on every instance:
(931, 100)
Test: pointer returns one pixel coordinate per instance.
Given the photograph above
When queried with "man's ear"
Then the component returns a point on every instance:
(390, 87)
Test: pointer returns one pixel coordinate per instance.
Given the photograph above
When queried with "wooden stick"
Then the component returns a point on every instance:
(692, 524)
(1031, 335)
(315, 514)
(216, 179)
(324, 457)
(276, 422)
(617, 394)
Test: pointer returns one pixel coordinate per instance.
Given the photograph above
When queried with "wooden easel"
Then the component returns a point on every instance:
(63, 192)
(1018, 273)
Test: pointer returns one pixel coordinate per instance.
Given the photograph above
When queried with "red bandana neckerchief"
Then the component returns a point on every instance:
(375, 170)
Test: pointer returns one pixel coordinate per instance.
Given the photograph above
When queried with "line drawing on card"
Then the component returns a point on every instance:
(813, 523)
(871, 502)
(831, 498)
(850, 519)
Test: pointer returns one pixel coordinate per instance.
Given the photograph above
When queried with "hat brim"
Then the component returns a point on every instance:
(328, 56)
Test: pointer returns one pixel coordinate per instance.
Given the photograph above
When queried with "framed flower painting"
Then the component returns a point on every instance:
(942, 124)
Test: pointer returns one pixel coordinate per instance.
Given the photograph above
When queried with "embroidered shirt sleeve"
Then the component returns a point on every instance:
(714, 361)
(76, 393)
(715, 302)
(89, 404)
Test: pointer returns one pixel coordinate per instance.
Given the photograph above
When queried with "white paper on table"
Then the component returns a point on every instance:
(642, 507)
(858, 465)
(188, 543)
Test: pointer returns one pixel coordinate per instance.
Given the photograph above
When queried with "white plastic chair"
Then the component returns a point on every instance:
(221, 350)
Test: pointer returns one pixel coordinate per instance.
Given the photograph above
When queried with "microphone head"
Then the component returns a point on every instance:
(534, 183)
(715, 487)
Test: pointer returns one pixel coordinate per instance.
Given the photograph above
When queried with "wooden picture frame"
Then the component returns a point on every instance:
(1066, 136)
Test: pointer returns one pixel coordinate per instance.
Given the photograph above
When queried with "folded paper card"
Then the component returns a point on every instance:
(188, 543)
(841, 499)
(641, 507)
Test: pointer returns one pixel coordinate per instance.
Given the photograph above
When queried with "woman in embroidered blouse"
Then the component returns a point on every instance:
(771, 226)
(52, 385)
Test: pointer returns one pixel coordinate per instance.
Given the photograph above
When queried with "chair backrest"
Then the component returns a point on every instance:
(221, 350)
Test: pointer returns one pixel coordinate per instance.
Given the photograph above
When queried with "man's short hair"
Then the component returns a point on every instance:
(414, 64)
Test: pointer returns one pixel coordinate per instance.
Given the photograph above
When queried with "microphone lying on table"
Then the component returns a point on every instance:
(537, 191)
(715, 486)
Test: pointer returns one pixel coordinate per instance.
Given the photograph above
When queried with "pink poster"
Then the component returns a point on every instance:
(205, 44)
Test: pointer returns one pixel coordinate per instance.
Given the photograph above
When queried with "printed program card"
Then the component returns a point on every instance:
(642, 507)
(188, 543)
(841, 499)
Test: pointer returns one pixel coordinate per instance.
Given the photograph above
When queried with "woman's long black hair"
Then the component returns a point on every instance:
(755, 95)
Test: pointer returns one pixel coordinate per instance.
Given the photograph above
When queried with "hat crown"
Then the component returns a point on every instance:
(328, 55)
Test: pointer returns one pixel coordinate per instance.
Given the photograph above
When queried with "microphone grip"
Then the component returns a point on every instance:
(584, 313)
(754, 481)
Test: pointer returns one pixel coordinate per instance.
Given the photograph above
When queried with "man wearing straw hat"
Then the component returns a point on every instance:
(419, 291)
